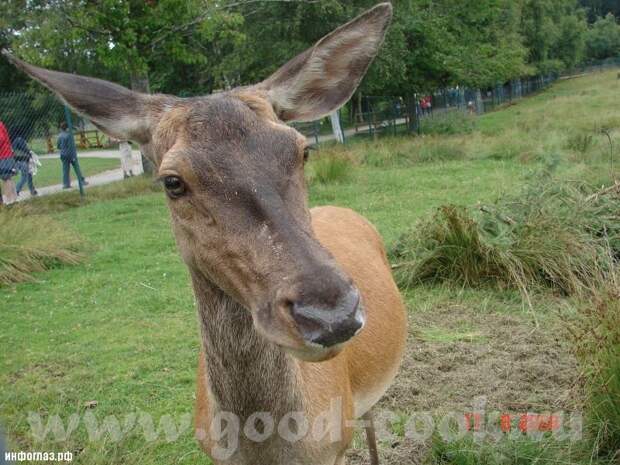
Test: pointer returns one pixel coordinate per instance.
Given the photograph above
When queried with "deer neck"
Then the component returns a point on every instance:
(246, 373)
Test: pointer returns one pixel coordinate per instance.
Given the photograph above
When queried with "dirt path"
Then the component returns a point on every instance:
(456, 355)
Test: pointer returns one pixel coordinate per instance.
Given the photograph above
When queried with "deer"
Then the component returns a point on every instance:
(299, 317)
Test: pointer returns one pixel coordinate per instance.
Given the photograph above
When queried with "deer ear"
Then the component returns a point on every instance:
(118, 111)
(324, 77)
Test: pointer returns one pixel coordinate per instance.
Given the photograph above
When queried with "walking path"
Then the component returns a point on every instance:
(99, 179)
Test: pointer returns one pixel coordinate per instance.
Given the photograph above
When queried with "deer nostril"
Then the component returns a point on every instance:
(330, 326)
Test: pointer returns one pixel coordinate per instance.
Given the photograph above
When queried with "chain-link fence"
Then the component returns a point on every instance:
(37, 156)
(45, 148)
(387, 114)
(375, 115)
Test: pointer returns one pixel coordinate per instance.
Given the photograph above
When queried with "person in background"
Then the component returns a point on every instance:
(424, 105)
(7, 167)
(23, 158)
(124, 148)
(68, 156)
(471, 107)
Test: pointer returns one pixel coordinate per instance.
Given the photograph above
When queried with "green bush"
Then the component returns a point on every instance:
(556, 235)
(32, 243)
(448, 123)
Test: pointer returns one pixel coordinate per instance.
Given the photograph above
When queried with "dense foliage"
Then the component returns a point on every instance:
(197, 46)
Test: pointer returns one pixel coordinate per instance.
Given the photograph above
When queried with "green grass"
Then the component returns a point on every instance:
(508, 451)
(120, 327)
(328, 168)
(50, 172)
(596, 334)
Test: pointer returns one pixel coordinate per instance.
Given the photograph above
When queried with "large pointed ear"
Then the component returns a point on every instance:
(120, 112)
(324, 77)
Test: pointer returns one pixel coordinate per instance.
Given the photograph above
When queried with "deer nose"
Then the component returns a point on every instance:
(330, 326)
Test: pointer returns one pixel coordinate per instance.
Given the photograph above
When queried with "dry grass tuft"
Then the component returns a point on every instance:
(30, 244)
(554, 235)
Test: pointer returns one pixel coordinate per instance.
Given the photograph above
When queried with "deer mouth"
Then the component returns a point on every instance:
(311, 331)
(328, 327)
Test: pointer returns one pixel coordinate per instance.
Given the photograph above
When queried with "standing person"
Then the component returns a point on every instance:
(124, 148)
(68, 156)
(7, 167)
(23, 158)
(424, 105)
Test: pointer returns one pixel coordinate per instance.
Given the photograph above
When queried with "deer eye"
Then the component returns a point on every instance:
(175, 187)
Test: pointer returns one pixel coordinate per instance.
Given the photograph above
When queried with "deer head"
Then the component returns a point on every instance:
(233, 175)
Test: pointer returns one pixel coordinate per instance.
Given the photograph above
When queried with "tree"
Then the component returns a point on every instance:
(190, 47)
(471, 43)
(600, 8)
(554, 33)
(603, 38)
(136, 42)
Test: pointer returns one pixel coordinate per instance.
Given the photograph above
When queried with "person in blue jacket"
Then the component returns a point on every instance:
(68, 156)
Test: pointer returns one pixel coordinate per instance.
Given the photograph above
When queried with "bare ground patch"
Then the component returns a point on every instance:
(457, 354)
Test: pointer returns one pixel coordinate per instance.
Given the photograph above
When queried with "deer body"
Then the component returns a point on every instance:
(302, 325)
(349, 384)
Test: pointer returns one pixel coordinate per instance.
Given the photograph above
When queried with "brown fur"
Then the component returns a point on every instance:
(365, 366)
(279, 288)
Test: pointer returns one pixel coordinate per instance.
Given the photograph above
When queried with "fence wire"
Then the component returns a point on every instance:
(30, 151)
(35, 156)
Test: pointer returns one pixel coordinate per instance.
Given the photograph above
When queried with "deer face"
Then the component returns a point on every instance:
(233, 175)
(235, 186)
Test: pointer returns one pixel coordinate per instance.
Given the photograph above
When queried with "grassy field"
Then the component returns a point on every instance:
(50, 172)
(119, 329)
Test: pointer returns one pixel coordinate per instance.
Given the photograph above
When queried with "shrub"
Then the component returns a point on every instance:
(33, 243)
(328, 168)
(448, 123)
(553, 234)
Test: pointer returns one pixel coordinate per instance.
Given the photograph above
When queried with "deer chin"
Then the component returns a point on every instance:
(283, 333)
(315, 353)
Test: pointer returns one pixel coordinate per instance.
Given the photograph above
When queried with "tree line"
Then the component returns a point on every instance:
(190, 47)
